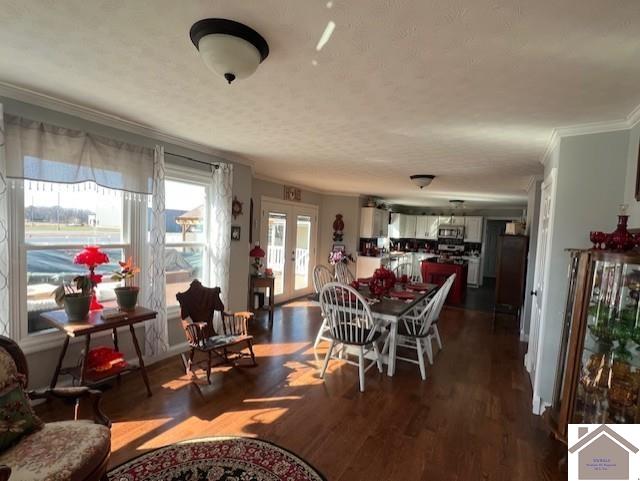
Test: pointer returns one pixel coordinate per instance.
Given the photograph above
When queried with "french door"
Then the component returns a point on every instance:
(289, 232)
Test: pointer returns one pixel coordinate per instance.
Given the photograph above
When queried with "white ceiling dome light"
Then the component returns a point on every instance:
(422, 180)
(229, 48)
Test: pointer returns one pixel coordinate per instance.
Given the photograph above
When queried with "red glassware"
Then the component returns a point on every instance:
(621, 239)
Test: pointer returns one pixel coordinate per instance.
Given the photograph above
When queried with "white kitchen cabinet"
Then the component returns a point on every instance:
(427, 227)
(473, 229)
(373, 222)
(402, 226)
(473, 272)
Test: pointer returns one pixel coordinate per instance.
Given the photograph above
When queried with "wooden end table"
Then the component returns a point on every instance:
(256, 282)
(92, 325)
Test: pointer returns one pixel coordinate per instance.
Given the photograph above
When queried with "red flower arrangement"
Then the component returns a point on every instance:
(382, 282)
(92, 257)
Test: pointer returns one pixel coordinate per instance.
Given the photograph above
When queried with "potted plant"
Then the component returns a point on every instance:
(127, 295)
(76, 301)
(92, 257)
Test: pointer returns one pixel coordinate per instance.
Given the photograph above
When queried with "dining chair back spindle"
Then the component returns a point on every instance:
(406, 269)
(322, 275)
(351, 325)
(343, 274)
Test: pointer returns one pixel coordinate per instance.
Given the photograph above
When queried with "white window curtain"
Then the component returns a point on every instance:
(219, 228)
(156, 334)
(42, 152)
(5, 324)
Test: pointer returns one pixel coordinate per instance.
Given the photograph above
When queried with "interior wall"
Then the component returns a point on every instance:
(41, 363)
(632, 172)
(591, 171)
(349, 207)
(533, 218)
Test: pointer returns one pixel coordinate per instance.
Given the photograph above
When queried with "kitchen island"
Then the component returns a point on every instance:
(437, 270)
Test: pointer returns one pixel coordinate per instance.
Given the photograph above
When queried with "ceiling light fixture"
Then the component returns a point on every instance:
(229, 48)
(422, 180)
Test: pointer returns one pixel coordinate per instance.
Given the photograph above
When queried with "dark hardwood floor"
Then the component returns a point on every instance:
(471, 420)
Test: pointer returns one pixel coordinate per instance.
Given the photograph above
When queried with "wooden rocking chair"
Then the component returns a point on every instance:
(198, 305)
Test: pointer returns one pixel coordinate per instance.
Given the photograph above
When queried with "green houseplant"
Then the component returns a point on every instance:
(127, 295)
(76, 298)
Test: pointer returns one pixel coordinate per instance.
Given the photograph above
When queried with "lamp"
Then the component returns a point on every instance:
(229, 48)
(256, 266)
(422, 180)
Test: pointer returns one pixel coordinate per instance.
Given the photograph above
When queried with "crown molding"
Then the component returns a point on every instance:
(589, 128)
(39, 99)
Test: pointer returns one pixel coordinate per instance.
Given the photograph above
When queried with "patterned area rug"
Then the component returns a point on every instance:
(217, 459)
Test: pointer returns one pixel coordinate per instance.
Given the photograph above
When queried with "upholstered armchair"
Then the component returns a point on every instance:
(65, 450)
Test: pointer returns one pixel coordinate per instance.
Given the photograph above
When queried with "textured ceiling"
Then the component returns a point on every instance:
(468, 90)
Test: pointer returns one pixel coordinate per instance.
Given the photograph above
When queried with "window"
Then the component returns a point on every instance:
(59, 220)
(185, 241)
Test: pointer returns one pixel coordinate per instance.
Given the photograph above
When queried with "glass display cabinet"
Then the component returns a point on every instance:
(599, 364)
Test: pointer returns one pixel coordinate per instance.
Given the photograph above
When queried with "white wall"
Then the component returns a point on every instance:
(590, 186)
(41, 363)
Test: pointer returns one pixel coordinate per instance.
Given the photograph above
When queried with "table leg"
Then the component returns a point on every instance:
(83, 372)
(393, 341)
(114, 336)
(56, 373)
(271, 307)
(139, 353)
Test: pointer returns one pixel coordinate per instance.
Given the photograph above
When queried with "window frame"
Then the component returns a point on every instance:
(47, 338)
(186, 175)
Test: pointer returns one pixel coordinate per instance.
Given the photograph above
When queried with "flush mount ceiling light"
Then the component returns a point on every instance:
(422, 180)
(229, 48)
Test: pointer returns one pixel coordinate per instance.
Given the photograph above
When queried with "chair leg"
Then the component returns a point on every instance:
(253, 357)
(190, 362)
(326, 359)
(423, 371)
(209, 368)
(428, 347)
(378, 356)
(437, 335)
(321, 331)
(361, 367)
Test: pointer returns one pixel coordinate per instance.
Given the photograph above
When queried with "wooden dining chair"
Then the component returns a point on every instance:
(406, 269)
(321, 277)
(198, 307)
(435, 333)
(343, 274)
(413, 333)
(351, 325)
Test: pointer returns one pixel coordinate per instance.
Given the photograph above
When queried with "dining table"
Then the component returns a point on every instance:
(389, 311)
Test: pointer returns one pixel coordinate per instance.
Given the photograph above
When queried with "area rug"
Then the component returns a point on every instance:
(217, 459)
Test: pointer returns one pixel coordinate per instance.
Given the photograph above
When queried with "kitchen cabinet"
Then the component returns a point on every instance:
(444, 219)
(374, 222)
(402, 226)
(473, 229)
(473, 272)
(427, 227)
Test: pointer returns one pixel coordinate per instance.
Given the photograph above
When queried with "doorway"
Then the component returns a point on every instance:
(289, 232)
(495, 227)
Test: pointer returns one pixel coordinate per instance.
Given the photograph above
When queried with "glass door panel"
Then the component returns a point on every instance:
(276, 245)
(302, 257)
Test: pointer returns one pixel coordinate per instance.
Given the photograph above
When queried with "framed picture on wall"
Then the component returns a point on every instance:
(338, 248)
(235, 232)
(638, 176)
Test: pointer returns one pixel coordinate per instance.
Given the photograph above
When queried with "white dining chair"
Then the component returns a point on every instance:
(321, 277)
(407, 268)
(413, 333)
(350, 325)
(343, 274)
(434, 333)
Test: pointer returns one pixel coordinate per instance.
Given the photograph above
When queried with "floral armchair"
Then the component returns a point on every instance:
(57, 451)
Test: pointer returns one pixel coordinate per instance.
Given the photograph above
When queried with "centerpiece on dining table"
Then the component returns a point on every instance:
(382, 282)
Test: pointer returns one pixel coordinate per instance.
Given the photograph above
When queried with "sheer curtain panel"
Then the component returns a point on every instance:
(5, 324)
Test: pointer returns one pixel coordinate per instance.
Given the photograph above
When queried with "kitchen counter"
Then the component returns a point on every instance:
(437, 272)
